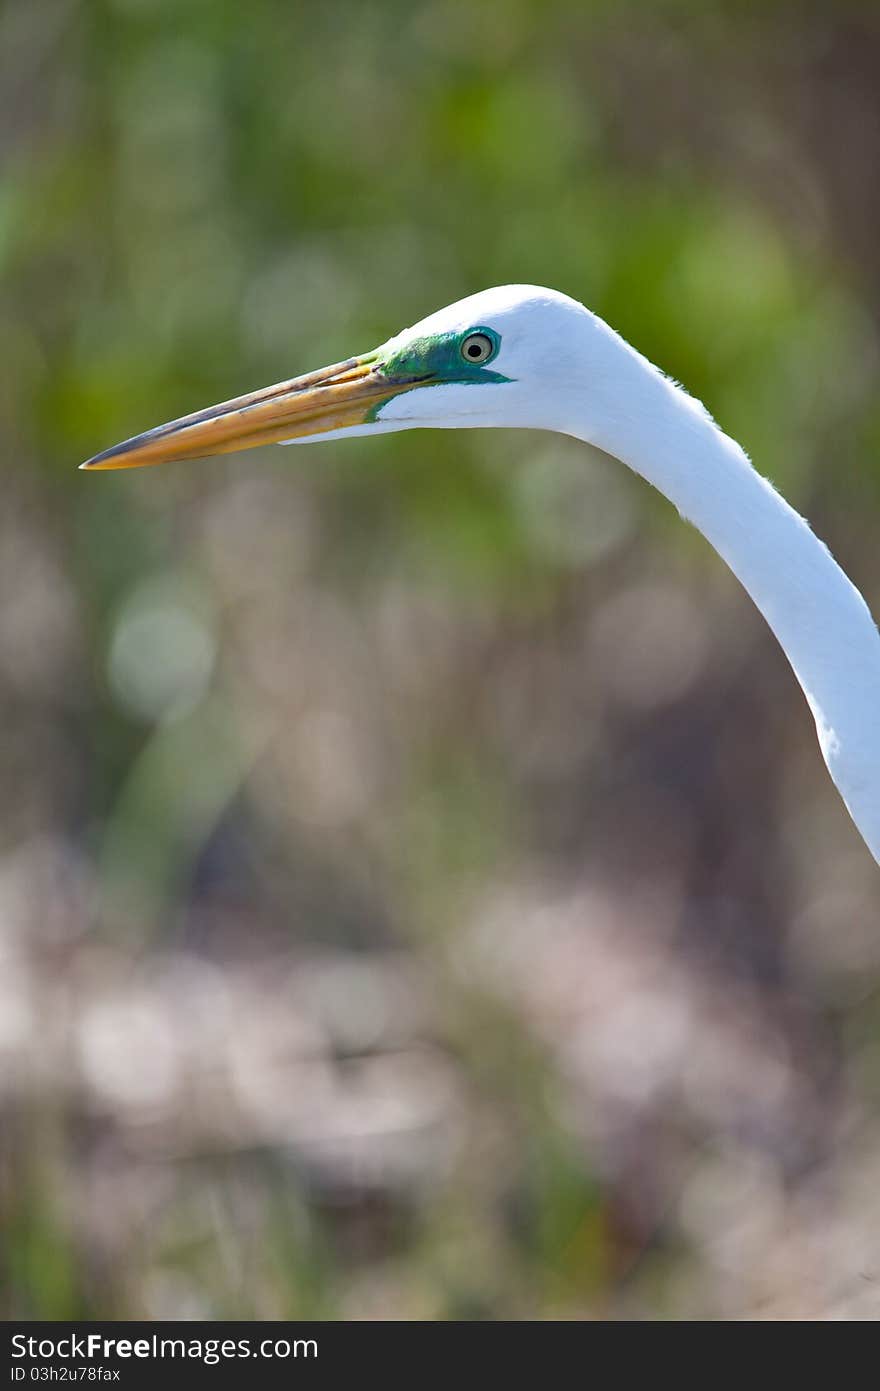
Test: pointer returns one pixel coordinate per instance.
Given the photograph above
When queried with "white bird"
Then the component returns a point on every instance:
(523, 356)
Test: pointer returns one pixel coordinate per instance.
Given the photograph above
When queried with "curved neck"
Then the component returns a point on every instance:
(818, 616)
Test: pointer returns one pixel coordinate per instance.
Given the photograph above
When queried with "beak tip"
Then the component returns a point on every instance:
(109, 459)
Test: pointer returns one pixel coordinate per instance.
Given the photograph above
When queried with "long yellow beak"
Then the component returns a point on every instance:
(330, 399)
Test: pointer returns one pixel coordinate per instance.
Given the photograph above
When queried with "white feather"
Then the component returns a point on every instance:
(571, 373)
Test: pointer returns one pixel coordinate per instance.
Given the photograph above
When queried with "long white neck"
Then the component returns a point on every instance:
(819, 617)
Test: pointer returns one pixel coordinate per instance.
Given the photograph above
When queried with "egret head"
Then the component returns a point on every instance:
(504, 357)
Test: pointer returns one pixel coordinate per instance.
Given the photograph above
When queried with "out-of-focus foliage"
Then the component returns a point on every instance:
(420, 891)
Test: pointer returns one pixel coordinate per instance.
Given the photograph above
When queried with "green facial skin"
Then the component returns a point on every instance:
(438, 361)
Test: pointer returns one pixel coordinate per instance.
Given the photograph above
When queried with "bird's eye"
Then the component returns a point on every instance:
(477, 348)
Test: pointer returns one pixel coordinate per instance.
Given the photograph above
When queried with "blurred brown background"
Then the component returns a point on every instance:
(421, 895)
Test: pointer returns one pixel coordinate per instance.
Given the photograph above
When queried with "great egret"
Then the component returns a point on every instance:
(519, 355)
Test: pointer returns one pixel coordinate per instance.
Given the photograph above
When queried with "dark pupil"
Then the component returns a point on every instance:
(475, 350)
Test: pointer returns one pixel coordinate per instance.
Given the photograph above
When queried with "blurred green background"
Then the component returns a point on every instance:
(421, 895)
